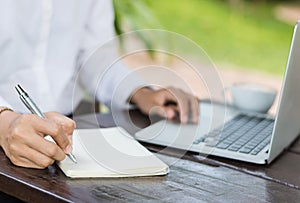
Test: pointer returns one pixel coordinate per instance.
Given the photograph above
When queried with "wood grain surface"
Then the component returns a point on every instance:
(191, 179)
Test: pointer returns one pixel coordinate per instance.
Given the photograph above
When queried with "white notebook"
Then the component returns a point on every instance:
(110, 152)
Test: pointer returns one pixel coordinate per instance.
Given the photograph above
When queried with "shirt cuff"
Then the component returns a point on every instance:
(4, 103)
(124, 91)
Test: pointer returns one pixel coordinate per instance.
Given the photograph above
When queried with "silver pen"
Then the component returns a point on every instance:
(35, 110)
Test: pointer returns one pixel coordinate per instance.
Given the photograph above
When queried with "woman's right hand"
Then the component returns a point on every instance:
(22, 138)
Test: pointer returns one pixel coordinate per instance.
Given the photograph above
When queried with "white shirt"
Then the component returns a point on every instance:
(42, 45)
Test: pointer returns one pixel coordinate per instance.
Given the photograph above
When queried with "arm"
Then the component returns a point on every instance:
(22, 138)
(112, 83)
(101, 75)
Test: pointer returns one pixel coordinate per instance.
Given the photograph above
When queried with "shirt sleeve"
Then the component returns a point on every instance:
(102, 72)
(4, 103)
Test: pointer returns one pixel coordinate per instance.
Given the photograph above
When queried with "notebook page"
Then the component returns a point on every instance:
(110, 152)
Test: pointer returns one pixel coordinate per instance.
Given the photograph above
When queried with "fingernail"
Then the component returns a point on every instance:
(196, 120)
(70, 138)
(69, 149)
(169, 113)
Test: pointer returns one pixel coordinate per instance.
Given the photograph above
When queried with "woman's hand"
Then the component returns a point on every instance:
(22, 138)
(167, 103)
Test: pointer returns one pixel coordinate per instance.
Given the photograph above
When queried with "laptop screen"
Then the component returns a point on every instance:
(287, 126)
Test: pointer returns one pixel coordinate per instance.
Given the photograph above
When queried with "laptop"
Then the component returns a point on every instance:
(246, 136)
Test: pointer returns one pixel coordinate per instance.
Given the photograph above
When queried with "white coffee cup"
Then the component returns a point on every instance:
(252, 97)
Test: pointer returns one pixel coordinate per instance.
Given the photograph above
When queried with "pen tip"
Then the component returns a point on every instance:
(72, 157)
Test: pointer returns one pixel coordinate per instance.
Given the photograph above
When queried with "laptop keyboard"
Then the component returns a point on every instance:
(244, 134)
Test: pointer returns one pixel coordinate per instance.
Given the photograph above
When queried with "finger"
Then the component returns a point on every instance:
(194, 108)
(172, 111)
(188, 105)
(49, 127)
(49, 149)
(30, 158)
(168, 95)
(179, 97)
(165, 112)
(183, 108)
(67, 123)
(25, 162)
(36, 160)
(169, 112)
(43, 146)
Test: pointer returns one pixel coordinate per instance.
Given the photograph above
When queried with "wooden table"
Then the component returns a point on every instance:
(191, 178)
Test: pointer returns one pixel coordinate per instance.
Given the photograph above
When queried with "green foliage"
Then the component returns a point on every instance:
(133, 15)
(246, 35)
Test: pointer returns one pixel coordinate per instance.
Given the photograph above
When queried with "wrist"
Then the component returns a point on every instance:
(6, 118)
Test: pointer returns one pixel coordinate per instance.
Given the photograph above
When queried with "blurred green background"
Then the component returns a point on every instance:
(243, 34)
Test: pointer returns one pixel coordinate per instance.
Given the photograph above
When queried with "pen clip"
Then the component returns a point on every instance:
(26, 103)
